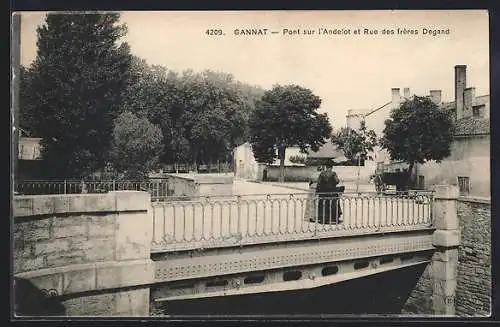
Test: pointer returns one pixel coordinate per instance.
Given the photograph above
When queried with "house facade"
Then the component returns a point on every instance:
(468, 165)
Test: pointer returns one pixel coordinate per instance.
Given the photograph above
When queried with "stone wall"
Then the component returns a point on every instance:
(420, 299)
(474, 255)
(201, 184)
(473, 292)
(84, 247)
(182, 185)
(305, 173)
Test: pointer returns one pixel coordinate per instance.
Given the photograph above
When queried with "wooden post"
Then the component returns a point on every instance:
(446, 239)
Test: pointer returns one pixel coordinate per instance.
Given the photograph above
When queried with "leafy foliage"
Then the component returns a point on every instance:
(27, 118)
(287, 116)
(82, 79)
(75, 86)
(418, 131)
(353, 142)
(152, 93)
(298, 159)
(203, 116)
(136, 146)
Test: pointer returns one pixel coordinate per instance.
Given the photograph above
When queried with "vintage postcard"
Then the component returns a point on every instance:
(251, 163)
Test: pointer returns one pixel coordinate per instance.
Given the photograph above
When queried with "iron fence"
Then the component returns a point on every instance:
(158, 189)
(222, 167)
(237, 220)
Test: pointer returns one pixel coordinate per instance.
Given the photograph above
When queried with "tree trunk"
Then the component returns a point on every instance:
(281, 155)
(408, 179)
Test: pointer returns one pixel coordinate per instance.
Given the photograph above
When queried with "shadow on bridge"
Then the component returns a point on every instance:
(384, 293)
(29, 300)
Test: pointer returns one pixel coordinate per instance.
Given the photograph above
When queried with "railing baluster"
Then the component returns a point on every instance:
(279, 215)
(164, 223)
(202, 221)
(221, 221)
(379, 212)
(184, 223)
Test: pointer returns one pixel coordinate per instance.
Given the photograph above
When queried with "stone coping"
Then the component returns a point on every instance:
(116, 201)
(92, 277)
(205, 178)
(475, 199)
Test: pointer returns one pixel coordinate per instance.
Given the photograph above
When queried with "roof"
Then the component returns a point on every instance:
(448, 105)
(377, 109)
(472, 126)
(327, 151)
(481, 100)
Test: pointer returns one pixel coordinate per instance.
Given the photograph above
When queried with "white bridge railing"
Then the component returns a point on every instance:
(206, 222)
(158, 189)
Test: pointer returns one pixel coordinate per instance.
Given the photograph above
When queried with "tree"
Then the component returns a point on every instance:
(416, 132)
(287, 116)
(75, 92)
(213, 114)
(356, 144)
(353, 142)
(136, 146)
(153, 94)
(27, 118)
(203, 116)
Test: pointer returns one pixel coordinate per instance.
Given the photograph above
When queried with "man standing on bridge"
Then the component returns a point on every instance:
(328, 196)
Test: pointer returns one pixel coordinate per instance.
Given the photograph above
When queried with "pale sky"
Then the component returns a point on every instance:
(345, 71)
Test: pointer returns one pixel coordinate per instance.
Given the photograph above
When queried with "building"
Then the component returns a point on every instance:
(470, 149)
(468, 166)
(246, 167)
(327, 151)
(375, 120)
(29, 158)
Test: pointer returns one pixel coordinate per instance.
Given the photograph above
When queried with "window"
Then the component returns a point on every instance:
(476, 112)
(463, 185)
(421, 182)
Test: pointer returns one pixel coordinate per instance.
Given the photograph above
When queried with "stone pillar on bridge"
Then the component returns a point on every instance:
(87, 254)
(446, 239)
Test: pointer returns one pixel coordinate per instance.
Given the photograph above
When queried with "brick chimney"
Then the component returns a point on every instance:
(460, 85)
(436, 96)
(395, 98)
(406, 93)
(469, 95)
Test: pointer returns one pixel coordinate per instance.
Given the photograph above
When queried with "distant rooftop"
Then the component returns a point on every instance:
(327, 151)
(472, 126)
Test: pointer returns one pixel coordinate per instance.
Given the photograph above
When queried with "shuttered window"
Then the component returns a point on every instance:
(464, 184)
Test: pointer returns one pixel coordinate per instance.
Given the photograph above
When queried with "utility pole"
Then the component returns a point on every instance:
(15, 59)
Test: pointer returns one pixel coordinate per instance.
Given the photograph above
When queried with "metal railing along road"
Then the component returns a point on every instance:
(157, 189)
(218, 221)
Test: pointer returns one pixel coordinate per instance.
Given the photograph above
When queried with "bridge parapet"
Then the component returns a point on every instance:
(446, 239)
(225, 221)
(87, 250)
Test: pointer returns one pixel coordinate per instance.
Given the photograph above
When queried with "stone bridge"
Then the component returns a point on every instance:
(118, 253)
